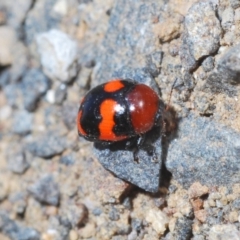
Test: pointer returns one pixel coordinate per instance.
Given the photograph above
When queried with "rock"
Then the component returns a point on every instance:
(208, 64)
(69, 113)
(203, 30)
(16, 12)
(229, 65)
(167, 30)
(60, 93)
(16, 159)
(22, 122)
(7, 41)
(45, 190)
(13, 95)
(58, 55)
(201, 215)
(145, 173)
(15, 231)
(124, 37)
(183, 229)
(4, 187)
(187, 59)
(224, 231)
(48, 145)
(159, 220)
(57, 95)
(40, 18)
(34, 85)
(235, 4)
(67, 160)
(4, 78)
(197, 190)
(200, 138)
(19, 202)
(227, 18)
(76, 214)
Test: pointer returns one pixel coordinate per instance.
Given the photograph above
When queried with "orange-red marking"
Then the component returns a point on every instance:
(107, 111)
(80, 129)
(113, 86)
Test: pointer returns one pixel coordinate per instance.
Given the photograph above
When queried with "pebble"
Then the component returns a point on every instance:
(46, 190)
(227, 18)
(203, 30)
(69, 113)
(235, 3)
(198, 138)
(58, 55)
(19, 202)
(146, 172)
(34, 85)
(208, 64)
(7, 41)
(224, 231)
(201, 215)
(15, 230)
(197, 190)
(76, 214)
(47, 145)
(158, 220)
(22, 122)
(16, 159)
(17, 11)
(229, 64)
(183, 228)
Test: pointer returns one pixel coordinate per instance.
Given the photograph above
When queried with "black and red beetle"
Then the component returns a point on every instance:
(118, 110)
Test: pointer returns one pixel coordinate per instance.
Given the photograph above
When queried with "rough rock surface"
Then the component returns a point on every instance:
(54, 184)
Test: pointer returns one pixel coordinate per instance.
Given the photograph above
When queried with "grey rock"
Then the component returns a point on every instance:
(67, 160)
(22, 122)
(187, 59)
(16, 159)
(19, 202)
(236, 203)
(124, 44)
(4, 77)
(75, 214)
(208, 64)
(47, 145)
(58, 55)
(60, 227)
(235, 3)
(34, 85)
(224, 231)
(140, 75)
(13, 95)
(16, 12)
(146, 172)
(46, 190)
(203, 30)
(229, 64)
(16, 231)
(69, 113)
(113, 214)
(204, 151)
(60, 93)
(227, 18)
(183, 229)
(40, 18)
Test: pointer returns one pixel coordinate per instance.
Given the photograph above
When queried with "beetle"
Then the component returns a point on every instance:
(118, 110)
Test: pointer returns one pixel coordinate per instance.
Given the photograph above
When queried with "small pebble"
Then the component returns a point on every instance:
(46, 190)
(47, 145)
(22, 122)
